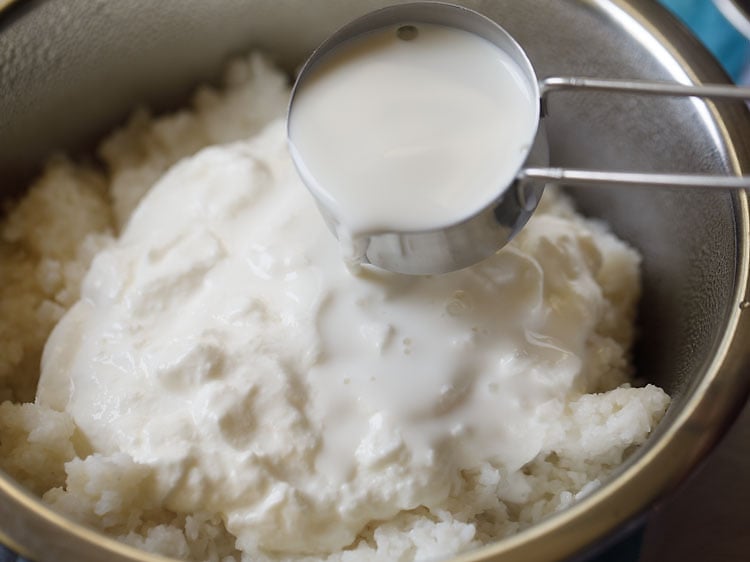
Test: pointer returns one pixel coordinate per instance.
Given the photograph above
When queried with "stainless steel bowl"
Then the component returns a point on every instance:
(71, 69)
(737, 13)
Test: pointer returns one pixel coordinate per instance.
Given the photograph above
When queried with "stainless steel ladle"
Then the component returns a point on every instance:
(476, 238)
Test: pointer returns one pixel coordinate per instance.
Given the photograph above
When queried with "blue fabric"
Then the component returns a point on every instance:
(8, 556)
(727, 44)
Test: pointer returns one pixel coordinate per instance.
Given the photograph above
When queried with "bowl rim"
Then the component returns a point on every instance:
(659, 467)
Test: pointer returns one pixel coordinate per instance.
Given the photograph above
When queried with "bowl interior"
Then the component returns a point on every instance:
(71, 71)
(60, 92)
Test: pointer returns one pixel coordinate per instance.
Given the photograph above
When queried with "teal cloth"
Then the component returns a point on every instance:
(729, 46)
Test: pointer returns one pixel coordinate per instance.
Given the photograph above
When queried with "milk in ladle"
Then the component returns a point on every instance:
(410, 128)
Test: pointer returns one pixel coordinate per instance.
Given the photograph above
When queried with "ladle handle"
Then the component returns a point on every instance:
(711, 91)
(592, 178)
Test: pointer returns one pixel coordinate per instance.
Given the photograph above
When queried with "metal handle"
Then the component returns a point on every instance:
(592, 178)
(712, 91)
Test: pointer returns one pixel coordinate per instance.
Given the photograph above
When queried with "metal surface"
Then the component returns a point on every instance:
(737, 13)
(71, 69)
(710, 91)
(713, 507)
(475, 238)
(630, 180)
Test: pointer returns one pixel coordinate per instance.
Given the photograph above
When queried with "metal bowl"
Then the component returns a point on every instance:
(72, 69)
(737, 13)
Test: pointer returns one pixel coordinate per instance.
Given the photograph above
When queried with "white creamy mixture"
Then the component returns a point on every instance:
(411, 134)
(222, 341)
(225, 390)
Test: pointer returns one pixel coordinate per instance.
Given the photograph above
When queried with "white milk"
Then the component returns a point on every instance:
(405, 135)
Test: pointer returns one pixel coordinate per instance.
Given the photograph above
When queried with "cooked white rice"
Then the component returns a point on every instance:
(72, 211)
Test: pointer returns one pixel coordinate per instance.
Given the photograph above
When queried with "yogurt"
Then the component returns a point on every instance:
(221, 343)
(411, 128)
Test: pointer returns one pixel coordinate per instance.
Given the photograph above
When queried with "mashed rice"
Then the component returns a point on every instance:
(74, 212)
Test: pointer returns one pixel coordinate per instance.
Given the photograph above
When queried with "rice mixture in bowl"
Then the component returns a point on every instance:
(218, 386)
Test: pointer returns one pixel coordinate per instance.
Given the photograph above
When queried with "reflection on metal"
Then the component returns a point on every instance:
(6, 4)
(737, 13)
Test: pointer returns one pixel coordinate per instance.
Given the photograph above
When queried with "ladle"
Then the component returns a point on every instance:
(475, 238)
